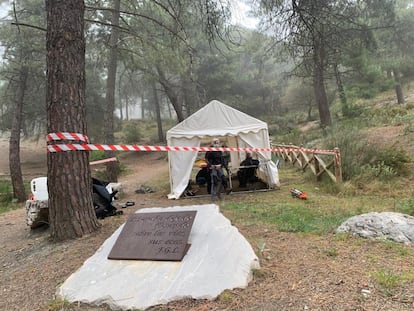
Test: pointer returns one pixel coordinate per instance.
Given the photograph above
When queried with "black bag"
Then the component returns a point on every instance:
(102, 200)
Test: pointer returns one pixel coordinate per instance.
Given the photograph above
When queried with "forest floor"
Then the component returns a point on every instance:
(298, 272)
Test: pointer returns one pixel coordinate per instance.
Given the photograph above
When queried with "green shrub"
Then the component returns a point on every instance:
(6, 191)
(359, 157)
(392, 159)
(378, 170)
(354, 149)
(132, 133)
(352, 111)
(407, 121)
(96, 155)
(274, 129)
(7, 202)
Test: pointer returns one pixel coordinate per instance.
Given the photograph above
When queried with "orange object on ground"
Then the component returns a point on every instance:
(296, 193)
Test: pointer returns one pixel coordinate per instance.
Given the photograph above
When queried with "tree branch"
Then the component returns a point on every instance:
(28, 25)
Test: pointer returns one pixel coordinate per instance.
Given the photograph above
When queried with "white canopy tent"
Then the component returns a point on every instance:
(218, 120)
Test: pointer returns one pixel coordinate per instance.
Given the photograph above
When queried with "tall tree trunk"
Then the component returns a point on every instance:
(158, 113)
(172, 96)
(111, 167)
(14, 145)
(189, 94)
(398, 87)
(341, 91)
(309, 100)
(126, 107)
(321, 99)
(121, 111)
(71, 211)
(170, 115)
(23, 127)
(319, 85)
(142, 105)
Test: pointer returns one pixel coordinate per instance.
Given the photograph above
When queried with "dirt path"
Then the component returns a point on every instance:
(297, 272)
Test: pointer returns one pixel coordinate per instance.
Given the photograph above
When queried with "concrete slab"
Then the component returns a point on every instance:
(219, 258)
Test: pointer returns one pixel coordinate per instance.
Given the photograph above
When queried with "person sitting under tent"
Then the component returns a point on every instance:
(247, 172)
(215, 163)
(203, 177)
(226, 159)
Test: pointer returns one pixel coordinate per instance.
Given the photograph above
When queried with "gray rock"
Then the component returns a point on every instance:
(385, 226)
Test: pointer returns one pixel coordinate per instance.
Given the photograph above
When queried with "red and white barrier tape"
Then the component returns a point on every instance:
(67, 136)
(97, 147)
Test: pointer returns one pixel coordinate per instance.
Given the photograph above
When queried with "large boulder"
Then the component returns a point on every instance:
(386, 225)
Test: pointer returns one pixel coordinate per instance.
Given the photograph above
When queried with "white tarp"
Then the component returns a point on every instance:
(219, 258)
(217, 120)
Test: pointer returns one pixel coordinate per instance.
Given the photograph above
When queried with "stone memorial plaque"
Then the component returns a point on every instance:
(154, 236)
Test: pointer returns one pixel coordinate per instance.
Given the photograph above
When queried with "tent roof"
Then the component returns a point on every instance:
(216, 119)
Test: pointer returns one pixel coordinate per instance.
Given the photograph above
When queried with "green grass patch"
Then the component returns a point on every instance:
(297, 216)
(6, 191)
(7, 202)
(57, 304)
(7, 207)
(388, 280)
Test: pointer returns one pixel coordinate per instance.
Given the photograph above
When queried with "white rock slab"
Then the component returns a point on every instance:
(219, 258)
(386, 225)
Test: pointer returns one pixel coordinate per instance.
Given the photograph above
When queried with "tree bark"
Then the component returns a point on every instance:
(172, 96)
(121, 109)
(398, 87)
(189, 94)
(126, 107)
(14, 144)
(71, 211)
(340, 86)
(111, 167)
(158, 113)
(142, 105)
(309, 100)
(319, 85)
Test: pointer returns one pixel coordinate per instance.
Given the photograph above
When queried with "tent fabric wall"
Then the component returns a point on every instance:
(181, 164)
(217, 120)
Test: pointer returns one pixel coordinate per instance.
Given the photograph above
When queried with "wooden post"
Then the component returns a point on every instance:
(337, 165)
(317, 167)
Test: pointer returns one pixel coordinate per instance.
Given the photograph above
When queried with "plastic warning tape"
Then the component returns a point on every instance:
(99, 147)
(67, 136)
(96, 147)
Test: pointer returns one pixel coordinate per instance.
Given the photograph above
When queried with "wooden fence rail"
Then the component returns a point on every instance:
(318, 161)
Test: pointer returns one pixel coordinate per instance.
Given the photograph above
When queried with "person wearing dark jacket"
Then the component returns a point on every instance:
(216, 163)
(203, 176)
(247, 173)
